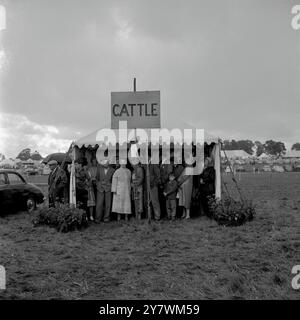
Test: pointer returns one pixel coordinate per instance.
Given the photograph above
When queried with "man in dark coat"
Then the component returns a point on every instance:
(154, 173)
(103, 183)
(57, 182)
(137, 188)
(165, 170)
(82, 179)
(170, 191)
(207, 185)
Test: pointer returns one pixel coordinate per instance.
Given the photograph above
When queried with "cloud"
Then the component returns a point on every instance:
(229, 67)
(18, 132)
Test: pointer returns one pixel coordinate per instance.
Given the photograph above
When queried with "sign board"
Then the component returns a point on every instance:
(141, 109)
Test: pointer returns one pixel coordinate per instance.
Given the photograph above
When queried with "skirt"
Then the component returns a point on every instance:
(91, 202)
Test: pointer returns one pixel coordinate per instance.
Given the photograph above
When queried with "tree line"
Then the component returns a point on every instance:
(256, 148)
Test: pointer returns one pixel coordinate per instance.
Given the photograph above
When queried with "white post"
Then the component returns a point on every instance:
(73, 180)
(217, 166)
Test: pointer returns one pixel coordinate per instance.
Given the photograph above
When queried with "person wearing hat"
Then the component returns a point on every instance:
(185, 189)
(121, 191)
(103, 185)
(91, 202)
(57, 182)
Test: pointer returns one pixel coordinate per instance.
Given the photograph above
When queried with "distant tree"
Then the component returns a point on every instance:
(2, 157)
(36, 156)
(246, 145)
(226, 145)
(296, 146)
(230, 145)
(259, 148)
(275, 148)
(24, 154)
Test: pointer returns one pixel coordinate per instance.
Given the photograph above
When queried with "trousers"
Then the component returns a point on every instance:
(103, 206)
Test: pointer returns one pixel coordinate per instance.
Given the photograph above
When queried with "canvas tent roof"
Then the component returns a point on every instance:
(292, 154)
(97, 136)
(234, 154)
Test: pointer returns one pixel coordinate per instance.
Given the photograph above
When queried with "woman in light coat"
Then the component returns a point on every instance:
(121, 187)
(185, 182)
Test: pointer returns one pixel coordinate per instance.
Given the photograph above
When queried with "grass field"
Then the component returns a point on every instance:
(195, 259)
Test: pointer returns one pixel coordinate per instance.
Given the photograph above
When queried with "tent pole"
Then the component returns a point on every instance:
(148, 188)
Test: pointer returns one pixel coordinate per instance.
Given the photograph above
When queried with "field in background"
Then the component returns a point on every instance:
(194, 259)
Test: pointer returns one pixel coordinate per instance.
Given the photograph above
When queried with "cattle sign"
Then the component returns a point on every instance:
(141, 109)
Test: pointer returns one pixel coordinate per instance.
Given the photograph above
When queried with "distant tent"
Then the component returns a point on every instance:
(263, 156)
(235, 154)
(8, 163)
(291, 154)
(277, 168)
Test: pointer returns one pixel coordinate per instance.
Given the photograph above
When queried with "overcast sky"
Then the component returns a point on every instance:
(230, 67)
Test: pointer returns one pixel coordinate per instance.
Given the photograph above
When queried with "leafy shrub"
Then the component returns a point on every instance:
(63, 217)
(229, 212)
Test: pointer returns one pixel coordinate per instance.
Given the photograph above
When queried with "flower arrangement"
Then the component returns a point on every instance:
(230, 212)
(63, 217)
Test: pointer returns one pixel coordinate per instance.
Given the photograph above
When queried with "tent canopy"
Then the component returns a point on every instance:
(292, 154)
(180, 131)
(97, 137)
(263, 156)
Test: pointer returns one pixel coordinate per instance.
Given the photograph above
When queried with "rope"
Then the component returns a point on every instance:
(233, 178)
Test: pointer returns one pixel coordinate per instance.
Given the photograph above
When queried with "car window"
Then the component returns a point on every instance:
(2, 179)
(14, 179)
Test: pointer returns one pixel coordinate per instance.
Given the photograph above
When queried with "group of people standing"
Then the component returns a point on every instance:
(103, 189)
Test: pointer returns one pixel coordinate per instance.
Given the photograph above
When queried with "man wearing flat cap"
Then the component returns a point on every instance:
(104, 197)
(57, 182)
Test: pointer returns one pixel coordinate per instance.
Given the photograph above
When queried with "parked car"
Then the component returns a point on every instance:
(16, 194)
(277, 168)
(297, 168)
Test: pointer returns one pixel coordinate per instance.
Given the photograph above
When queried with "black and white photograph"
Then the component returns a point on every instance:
(149, 151)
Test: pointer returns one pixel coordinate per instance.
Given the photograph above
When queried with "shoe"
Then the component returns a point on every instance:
(91, 218)
(187, 217)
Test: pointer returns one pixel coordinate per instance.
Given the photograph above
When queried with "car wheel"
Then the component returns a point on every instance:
(30, 205)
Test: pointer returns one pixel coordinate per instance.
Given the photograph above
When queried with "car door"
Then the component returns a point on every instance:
(4, 193)
(17, 187)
